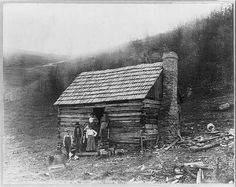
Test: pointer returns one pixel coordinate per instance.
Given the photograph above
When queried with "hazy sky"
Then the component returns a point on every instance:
(77, 29)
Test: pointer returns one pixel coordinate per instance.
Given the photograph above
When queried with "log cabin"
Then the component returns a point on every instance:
(140, 101)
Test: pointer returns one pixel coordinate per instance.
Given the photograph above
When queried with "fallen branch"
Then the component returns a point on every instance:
(173, 143)
(214, 132)
(197, 165)
(196, 149)
(188, 142)
(208, 139)
(189, 172)
(175, 181)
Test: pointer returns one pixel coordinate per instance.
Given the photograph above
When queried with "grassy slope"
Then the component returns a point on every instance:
(30, 129)
(31, 125)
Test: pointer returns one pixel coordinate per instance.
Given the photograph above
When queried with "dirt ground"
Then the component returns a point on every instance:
(30, 128)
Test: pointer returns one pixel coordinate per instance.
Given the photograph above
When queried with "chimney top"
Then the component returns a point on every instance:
(171, 54)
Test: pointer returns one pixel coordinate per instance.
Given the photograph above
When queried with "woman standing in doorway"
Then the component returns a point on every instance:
(93, 121)
(103, 126)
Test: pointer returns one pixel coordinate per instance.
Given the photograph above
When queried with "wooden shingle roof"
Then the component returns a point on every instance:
(126, 83)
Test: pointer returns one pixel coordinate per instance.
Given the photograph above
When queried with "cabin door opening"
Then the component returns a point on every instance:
(98, 112)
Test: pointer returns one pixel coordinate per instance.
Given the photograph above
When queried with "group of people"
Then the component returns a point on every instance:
(85, 136)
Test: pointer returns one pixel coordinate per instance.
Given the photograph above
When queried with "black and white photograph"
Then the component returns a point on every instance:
(118, 92)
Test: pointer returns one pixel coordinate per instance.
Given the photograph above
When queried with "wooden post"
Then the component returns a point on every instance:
(141, 139)
(217, 168)
(199, 176)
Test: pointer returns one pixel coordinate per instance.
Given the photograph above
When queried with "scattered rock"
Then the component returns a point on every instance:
(224, 106)
(88, 174)
(231, 132)
(142, 168)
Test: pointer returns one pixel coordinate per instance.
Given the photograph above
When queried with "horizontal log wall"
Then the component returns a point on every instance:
(69, 115)
(151, 110)
(125, 122)
(126, 119)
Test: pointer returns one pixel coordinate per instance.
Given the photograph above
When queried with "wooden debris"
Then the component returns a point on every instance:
(189, 172)
(56, 167)
(173, 143)
(214, 132)
(196, 149)
(178, 176)
(170, 180)
(217, 168)
(197, 165)
(202, 175)
(175, 181)
(88, 154)
(199, 176)
(209, 139)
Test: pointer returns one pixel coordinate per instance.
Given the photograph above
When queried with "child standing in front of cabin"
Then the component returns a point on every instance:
(67, 142)
(90, 136)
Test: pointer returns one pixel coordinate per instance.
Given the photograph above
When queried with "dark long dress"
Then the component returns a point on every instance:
(78, 136)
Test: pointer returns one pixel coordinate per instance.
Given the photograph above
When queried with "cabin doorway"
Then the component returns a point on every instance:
(98, 112)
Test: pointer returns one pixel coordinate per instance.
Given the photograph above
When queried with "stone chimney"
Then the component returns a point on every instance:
(169, 122)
